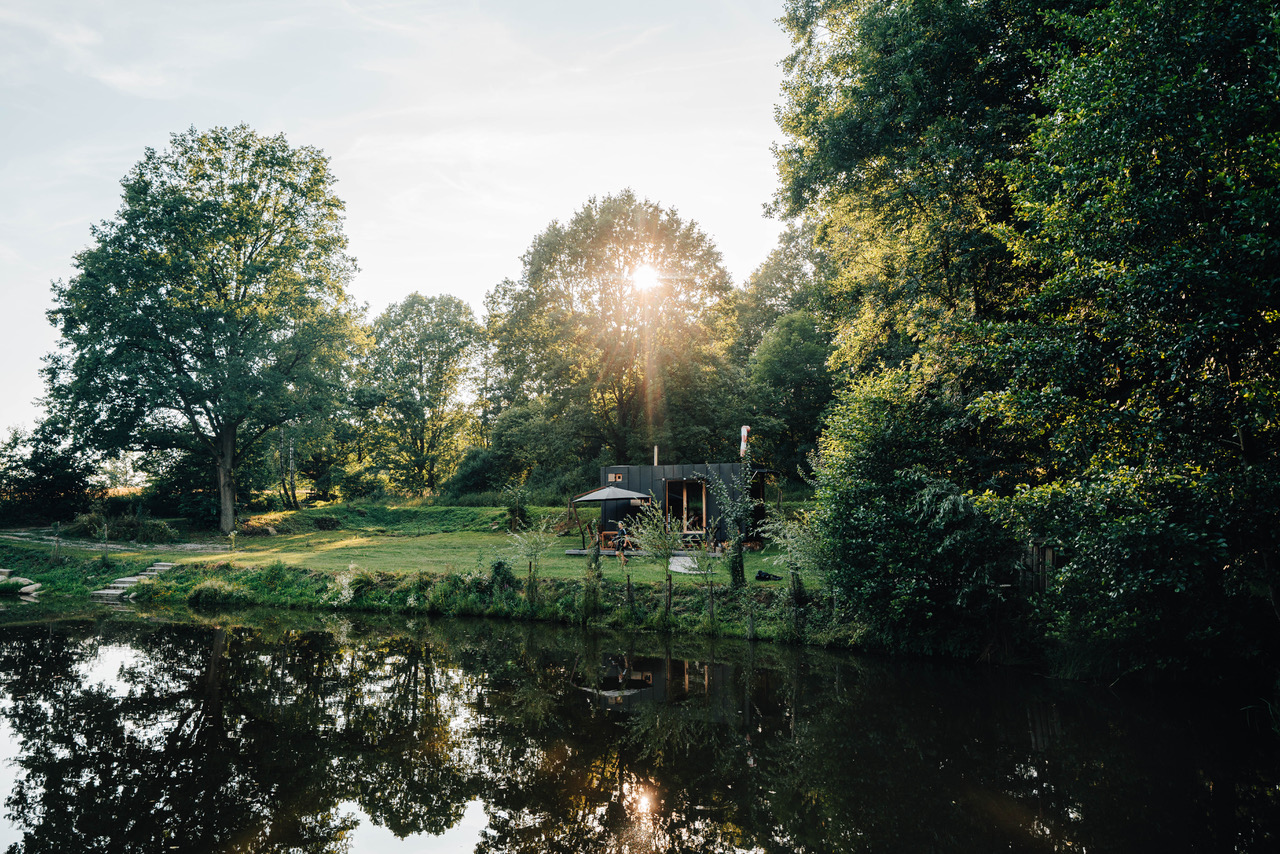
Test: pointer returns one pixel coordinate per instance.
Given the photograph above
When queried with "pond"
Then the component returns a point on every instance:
(308, 734)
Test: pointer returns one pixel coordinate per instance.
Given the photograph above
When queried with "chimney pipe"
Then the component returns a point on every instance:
(742, 451)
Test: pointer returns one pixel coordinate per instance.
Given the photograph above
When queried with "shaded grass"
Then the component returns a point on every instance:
(765, 612)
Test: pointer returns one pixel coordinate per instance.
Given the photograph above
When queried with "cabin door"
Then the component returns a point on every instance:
(686, 505)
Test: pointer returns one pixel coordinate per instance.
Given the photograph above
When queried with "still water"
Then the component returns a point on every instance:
(141, 735)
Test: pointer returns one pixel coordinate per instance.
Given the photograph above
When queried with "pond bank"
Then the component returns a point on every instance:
(774, 611)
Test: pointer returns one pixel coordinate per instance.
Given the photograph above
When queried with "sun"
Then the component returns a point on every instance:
(645, 277)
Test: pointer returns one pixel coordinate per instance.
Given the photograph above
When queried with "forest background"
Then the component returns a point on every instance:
(1025, 305)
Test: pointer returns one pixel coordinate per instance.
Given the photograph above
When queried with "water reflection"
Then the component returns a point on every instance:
(137, 736)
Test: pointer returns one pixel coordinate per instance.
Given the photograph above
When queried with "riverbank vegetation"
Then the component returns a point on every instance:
(1015, 359)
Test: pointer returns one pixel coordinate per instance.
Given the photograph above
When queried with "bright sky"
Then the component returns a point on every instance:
(457, 130)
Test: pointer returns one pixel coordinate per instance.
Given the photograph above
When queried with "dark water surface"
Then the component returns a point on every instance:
(135, 735)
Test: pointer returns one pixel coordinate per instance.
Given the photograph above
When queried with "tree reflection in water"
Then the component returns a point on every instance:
(229, 738)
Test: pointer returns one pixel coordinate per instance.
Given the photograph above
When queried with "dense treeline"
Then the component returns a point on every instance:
(1057, 239)
(624, 331)
(1020, 332)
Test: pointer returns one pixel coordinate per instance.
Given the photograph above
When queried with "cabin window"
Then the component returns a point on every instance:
(615, 477)
(686, 505)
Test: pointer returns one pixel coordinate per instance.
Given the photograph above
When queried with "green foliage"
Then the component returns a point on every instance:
(1056, 289)
(796, 277)
(42, 477)
(653, 533)
(792, 387)
(1147, 363)
(1143, 585)
(796, 537)
(515, 500)
(421, 348)
(212, 308)
(137, 527)
(216, 593)
(737, 511)
(529, 544)
(587, 358)
(906, 547)
(501, 577)
(362, 482)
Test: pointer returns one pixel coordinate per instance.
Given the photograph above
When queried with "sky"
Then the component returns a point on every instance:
(457, 130)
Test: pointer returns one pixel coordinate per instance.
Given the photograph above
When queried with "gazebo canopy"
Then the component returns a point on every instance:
(609, 493)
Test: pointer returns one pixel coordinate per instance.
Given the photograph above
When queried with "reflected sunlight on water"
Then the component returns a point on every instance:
(125, 735)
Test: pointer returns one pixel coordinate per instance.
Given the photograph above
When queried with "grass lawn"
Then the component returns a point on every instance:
(423, 559)
(405, 537)
(464, 551)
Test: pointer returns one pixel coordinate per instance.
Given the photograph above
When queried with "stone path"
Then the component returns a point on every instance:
(96, 545)
(115, 591)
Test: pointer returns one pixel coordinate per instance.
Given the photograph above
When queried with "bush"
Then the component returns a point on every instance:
(501, 577)
(215, 593)
(132, 528)
(364, 482)
(327, 523)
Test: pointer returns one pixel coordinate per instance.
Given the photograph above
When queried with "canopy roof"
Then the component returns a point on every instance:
(609, 493)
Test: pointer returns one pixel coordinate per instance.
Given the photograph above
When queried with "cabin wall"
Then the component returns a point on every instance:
(652, 480)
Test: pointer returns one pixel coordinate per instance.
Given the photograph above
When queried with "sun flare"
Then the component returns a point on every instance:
(644, 277)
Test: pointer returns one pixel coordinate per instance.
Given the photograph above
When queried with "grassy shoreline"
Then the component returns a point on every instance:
(434, 561)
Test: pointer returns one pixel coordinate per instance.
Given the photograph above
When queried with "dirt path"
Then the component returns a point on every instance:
(92, 545)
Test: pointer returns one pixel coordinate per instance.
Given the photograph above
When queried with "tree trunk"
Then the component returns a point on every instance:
(227, 481)
(737, 568)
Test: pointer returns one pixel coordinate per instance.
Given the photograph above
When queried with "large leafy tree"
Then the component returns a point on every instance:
(580, 330)
(421, 354)
(1149, 361)
(897, 117)
(791, 388)
(212, 308)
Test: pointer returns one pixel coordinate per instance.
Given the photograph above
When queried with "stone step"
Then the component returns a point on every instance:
(5, 573)
(107, 595)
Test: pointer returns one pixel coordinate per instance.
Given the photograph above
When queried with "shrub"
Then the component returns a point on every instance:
(134, 527)
(327, 523)
(501, 577)
(218, 593)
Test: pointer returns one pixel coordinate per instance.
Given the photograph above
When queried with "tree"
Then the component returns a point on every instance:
(1149, 360)
(580, 332)
(420, 358)
(798, 275)
(897, 114)
(792, 387)
(43, 477)
(212, 308)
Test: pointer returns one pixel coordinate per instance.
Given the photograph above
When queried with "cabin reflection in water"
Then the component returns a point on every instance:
(630, 682)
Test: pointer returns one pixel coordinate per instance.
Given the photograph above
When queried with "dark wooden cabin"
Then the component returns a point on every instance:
(684, 492)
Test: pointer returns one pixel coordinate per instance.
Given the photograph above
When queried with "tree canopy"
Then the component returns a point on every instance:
(212, 308)
(421, 352)
(582, 332)
(1055, 238)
